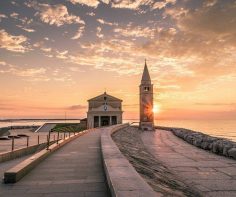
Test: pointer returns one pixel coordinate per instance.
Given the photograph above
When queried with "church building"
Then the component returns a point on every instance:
(104, 110)
(146, 101)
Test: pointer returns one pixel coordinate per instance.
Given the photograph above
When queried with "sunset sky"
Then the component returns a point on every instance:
(55, 55)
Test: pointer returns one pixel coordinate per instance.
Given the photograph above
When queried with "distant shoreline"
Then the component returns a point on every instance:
(37, 119)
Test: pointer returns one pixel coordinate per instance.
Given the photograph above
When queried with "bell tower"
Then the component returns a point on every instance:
(146, 101)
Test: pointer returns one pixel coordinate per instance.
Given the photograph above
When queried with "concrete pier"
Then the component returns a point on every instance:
(211, 174)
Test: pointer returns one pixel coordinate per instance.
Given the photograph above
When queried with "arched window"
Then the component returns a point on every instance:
(146, 89)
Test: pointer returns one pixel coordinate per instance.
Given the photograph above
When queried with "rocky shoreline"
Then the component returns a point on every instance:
(220, 146)
(154, 172)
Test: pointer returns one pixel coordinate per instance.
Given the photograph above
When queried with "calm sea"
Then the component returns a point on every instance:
(218, 128)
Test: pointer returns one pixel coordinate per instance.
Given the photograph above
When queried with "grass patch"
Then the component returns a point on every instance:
(68, 127)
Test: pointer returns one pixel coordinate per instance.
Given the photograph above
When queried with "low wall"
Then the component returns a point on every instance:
(6, 156)
(122, 178)
(220, 146)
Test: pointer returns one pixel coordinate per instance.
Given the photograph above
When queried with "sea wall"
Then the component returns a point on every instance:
(220, 146)
(5, 130)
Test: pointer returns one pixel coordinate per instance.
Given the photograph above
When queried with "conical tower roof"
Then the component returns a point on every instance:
(146, 77)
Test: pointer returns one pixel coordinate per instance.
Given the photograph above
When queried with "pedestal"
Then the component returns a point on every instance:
(146, 126)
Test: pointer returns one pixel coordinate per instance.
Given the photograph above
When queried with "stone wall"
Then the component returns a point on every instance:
(220, 146)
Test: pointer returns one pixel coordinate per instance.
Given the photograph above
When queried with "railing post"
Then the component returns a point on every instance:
(27, 143)
(57, 136)
(38, 139)
(69, 134)
(12, 144)
(64, 135)
(48, 138)
(54, 137)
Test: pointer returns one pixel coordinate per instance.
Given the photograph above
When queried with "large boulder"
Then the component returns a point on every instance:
(232, 152)
(226, 149)
(197, 142)
(205, 145)
(215, 147)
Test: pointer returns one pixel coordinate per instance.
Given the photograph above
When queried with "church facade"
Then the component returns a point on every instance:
(104, 110)
(146, 101)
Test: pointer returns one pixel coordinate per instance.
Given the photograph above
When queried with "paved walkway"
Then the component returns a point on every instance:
(74, 170)
(213, 175)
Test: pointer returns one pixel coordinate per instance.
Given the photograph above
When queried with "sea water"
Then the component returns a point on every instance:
(218, 128)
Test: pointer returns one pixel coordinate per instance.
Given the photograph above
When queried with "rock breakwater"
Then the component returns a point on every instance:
(220, 146)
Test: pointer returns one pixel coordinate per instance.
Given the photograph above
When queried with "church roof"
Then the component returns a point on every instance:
(101, 97)
(146, 77)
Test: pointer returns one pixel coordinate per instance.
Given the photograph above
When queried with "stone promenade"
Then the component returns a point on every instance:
(211, 174)
(74, 170)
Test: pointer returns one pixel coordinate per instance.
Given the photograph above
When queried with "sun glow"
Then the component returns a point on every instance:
(156, 108)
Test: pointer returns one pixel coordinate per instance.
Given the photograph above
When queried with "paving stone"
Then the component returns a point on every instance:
(202, 188)
(136, 193)
(184, 169)
(205, 175)
(95, 194)
(228, 170)
(77, 194)
(222, 194)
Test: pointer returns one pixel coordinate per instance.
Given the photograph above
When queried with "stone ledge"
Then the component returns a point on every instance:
(9, 155)
(122, 178)
(17, 172)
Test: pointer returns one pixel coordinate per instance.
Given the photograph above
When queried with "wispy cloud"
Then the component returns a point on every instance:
(46, 49)
(76, 107)
(90, 3)
(162, 4)
(62, 54)
(102, 21)
(14, 15)
(136, 31)
(99, 34)
(21, 71)
(56, 14)
(2, 16)
(13, 43)
(79, 33)
(26, 29)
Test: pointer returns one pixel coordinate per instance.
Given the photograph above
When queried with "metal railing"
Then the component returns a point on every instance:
(39, 139)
